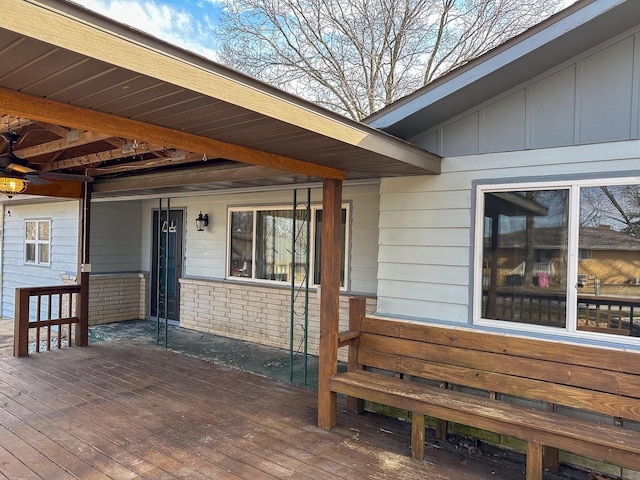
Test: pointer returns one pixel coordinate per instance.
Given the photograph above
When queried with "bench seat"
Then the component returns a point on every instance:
(613, 444)
(553, 395)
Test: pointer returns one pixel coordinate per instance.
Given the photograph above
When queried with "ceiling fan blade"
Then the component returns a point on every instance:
(17, 167)
(69, 177)
(36, 180)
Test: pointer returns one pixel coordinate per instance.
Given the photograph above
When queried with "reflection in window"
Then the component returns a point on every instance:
(37, 242)
(275, 234)
(241, 232)
(262, 244)
(567, 257)
(610, 231)
(524, 256)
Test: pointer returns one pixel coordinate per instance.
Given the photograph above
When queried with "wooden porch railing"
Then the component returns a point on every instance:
(597, 313)
(59, 309)
(611, 314)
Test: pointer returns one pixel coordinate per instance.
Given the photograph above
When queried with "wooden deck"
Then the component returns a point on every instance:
(121, 410)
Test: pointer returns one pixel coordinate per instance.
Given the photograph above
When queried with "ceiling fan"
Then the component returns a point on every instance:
(12, 167)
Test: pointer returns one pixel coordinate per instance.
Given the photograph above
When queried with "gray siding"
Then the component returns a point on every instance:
(115, 236)
(593, 98)
(580, 118)
(425, 222)
(63, 241)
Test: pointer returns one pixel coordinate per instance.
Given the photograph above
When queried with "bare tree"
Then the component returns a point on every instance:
(617, 206)
(355, 56)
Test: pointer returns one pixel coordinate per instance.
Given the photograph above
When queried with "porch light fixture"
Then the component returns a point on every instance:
(202, 221)
(12, 184)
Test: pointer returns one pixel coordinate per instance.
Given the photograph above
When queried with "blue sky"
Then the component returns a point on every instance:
(188, 24)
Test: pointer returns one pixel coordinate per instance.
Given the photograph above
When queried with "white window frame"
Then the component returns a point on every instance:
(573, 187)
(37, 242)
(312, 243)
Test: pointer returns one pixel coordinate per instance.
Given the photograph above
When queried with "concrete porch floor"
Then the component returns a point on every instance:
(247, 356)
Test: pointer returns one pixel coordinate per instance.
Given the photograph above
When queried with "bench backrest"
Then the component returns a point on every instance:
(595, 379)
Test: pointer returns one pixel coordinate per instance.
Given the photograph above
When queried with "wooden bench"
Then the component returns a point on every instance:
(523, 388)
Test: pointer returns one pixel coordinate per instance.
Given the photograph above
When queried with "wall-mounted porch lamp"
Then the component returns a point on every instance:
(202, 221)
(12, 184)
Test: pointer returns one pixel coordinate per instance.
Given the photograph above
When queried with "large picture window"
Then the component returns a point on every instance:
(271, 244)
(563, 257)
(37, 245)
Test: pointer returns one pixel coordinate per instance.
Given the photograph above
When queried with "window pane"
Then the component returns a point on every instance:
(30, 230)
(609, 277)
(274, 243)
(43, 231)
(524, 260)
(318, 247)
(30, 253)
(241, 244)
(44, 253)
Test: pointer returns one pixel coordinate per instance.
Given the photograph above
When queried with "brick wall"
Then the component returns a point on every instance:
(252, 312)
(115, 297)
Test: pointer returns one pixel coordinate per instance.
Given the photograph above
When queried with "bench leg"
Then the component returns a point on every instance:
(441, 429)
(534, 461)
(417, 436)
(551, 459)
(355, 405)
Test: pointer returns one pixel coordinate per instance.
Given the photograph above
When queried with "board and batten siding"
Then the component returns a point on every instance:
(425, 222)
(63, 245)
(595, 97)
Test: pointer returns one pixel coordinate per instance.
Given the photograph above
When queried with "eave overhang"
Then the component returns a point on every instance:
(66, 58)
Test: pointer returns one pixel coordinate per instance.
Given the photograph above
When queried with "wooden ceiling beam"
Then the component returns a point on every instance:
(56, 189)
(83, 138)
(41, 109)
(98, 157)
(9, 123)
(206, 174)
(161, 161)
(56, 129)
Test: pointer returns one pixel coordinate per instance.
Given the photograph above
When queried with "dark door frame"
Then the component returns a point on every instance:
(173, 233)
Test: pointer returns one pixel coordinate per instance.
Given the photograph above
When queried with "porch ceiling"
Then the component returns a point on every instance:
(91, 96)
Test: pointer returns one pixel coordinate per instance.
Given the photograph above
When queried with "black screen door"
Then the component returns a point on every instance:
(166, 265)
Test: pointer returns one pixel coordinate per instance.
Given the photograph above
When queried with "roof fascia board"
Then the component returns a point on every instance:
(76, 29)
(490, 62)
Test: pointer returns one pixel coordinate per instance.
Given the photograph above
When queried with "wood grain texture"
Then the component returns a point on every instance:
(504, 373)
(329, 300)
(121, 410)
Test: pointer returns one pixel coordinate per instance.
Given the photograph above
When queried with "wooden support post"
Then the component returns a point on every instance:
(329, 300)
(357, 310)
(417, 436)
(82, 328)
(534, 461)
(21, 324)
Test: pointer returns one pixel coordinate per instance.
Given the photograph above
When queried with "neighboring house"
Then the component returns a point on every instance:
(610, 257)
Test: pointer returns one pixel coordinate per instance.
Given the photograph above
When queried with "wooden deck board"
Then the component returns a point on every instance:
(120, 410)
